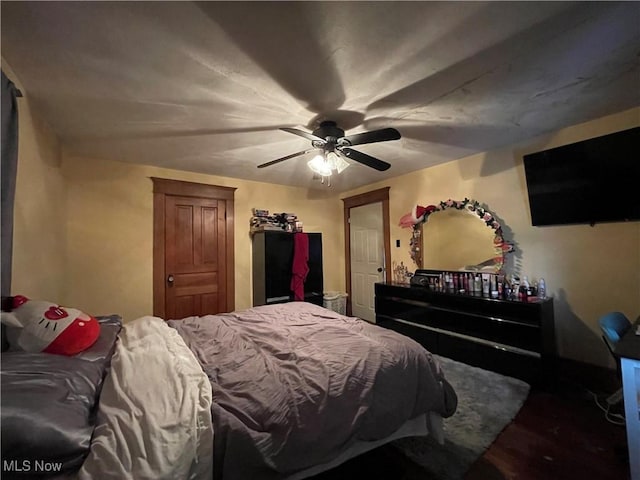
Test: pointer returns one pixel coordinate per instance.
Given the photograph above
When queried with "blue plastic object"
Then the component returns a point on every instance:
(614, 325)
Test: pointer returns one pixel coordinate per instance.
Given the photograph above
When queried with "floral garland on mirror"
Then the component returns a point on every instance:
(420, 215)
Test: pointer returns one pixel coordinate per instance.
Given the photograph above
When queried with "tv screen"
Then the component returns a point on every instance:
(592, 181)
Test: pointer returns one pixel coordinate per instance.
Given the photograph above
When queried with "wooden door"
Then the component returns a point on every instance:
(194, 256)
(367, 258)
(193, 249)
(376, 196)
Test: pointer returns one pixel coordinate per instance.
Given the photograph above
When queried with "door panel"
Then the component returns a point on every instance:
(367, 257)
(194, 256)
(184, 306)
(379, 197)
(358, 286)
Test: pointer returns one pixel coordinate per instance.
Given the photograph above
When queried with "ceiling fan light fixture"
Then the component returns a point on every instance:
(320, 165)
(326, 164)
(330, 159)
(340, 163)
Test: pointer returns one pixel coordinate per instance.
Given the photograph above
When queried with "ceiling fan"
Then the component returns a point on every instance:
(330, 140)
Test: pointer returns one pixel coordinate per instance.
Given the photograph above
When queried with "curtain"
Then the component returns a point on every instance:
(9, 154)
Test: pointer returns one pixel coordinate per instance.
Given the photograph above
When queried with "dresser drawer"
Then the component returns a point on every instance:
(427, 338)
(510, 362)
(510, 337)
(495, 329)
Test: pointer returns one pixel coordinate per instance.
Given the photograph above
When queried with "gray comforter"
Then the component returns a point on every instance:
(294, 384)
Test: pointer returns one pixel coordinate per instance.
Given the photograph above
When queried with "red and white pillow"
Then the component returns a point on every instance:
(40, 326)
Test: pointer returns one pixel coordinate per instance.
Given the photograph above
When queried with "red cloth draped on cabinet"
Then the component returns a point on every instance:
(300, 268)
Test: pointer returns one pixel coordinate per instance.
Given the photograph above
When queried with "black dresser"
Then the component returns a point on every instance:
(514, 338)
(272, 264)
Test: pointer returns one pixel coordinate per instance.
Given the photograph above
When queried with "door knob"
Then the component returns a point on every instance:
(170, 279)
(379, 269)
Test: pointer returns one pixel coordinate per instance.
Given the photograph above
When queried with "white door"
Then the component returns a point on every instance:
(367, 258)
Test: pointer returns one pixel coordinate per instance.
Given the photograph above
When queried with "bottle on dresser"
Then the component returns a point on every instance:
(515, 287)
(477, 285)
(486, 287)
(542, 289)
(493, 285)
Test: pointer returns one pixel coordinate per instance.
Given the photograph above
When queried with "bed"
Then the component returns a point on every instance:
(278, 392)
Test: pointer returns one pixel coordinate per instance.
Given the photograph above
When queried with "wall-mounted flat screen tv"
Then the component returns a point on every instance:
(593, 181)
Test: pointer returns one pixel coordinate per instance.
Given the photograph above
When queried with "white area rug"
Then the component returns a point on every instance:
(487, 402)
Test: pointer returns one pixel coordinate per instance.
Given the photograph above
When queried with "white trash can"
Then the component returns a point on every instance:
(336, 302)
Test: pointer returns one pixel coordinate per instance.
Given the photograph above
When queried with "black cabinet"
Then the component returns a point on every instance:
(272, 264)
(510, 337)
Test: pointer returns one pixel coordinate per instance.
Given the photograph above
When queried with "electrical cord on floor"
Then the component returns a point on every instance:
(611, 417)
(615, 418)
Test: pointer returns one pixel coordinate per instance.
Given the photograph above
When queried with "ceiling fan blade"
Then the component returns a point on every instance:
(382, 135)
(363, 158)
(273, 162)
(302, 133)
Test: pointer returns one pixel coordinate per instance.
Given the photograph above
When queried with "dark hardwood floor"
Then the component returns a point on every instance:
(556, 436)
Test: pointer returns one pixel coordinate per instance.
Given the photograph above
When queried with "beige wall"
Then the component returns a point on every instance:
(38, 263)
(588, 270)
(110, 232)
(83, 229)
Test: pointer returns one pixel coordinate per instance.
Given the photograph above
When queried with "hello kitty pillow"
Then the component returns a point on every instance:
(39, 326)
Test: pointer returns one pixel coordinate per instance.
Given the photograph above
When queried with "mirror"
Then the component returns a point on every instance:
(457, 235)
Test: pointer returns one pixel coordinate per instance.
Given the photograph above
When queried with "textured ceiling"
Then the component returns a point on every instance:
(205, 86)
